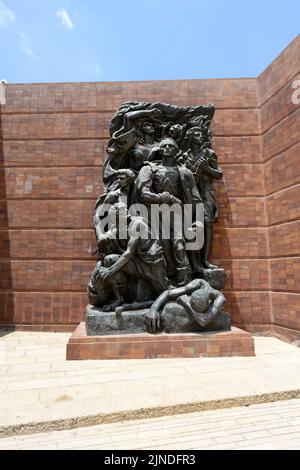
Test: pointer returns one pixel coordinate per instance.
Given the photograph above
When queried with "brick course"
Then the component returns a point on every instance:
(233, 122)
(71, 97)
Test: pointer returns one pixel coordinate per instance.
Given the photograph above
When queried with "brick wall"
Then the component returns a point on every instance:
(52, 146)
(280, 126)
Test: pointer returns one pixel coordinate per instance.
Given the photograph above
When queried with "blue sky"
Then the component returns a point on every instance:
(116, 40)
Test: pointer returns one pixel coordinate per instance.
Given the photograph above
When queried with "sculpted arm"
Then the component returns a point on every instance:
(215, 173)
(110, 199)
(145, 187)
(131, 117)
(217, 304)
(125, 258)
(209, 164)
(214, 309)
(146, 192)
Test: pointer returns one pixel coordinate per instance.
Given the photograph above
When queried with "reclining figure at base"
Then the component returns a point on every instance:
(197, 302)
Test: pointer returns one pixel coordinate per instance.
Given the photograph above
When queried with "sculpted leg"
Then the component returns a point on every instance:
(183, 269)
(208, 233)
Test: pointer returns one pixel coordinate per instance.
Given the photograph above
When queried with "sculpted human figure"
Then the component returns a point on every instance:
(167, 182)
(146, 141)
(104, 293)
(131, 145)
(203, 162)
(118, 192)
(175, 131)
(142, 262)
(198, 298)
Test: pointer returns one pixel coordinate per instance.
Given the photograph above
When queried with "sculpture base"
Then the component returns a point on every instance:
(145, 346)
(174, 320)
(216, 278)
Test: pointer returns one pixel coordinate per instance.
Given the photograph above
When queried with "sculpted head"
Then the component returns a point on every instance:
(147, 128)
(175, 131)
(125, 177)
(200, 300)
(169, 148)
(195, 135)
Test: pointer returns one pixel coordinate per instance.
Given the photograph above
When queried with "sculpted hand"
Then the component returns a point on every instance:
(202, 162)
(96, 279)
(106, 274)
(167, 198)
(175, 200)
(155, 112)
(101, 275)
(152, 320)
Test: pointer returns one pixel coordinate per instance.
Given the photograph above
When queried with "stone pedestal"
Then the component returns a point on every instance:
(145, 346)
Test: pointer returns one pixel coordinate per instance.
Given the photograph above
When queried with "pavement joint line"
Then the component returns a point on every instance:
(145, 413)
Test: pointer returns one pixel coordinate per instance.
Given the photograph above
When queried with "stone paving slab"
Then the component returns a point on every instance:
(40, 390)
(270, 426)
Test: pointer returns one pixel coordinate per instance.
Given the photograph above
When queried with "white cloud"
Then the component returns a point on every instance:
(24, 44)
(65, 19)
(7, 16)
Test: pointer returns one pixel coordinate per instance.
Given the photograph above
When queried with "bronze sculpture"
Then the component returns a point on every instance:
(160, 167)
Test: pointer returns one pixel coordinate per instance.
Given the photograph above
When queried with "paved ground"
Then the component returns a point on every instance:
(37, 385)
(268, 426)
